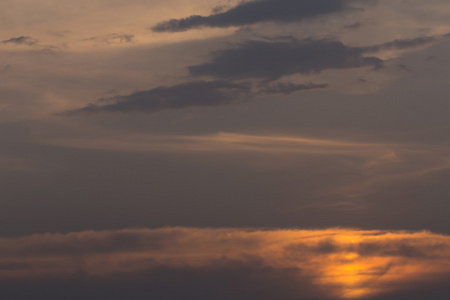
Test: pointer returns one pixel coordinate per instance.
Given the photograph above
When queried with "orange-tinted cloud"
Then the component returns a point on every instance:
(299, 264)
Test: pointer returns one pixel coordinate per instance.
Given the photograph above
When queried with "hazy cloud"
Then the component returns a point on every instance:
(251, 12)
(289, 88)
(21, 40)
(112, 38)
(401, 44)
(356, 25)
(7, 68)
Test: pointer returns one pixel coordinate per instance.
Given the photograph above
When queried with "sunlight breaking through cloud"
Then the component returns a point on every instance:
(342, 263)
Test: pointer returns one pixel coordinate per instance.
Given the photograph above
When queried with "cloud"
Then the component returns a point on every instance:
(113, 38)
(268, 60)
(362, 172)
(223, 263)
(225, 142)
(289, 88)
(401, 44)
(198, 93)
(272, 59)
(353, 26)
(21, 40)
(251, 12)
(276, 57)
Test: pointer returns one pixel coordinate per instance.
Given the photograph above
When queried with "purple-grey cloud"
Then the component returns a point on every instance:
(272, 59)
(251, 12)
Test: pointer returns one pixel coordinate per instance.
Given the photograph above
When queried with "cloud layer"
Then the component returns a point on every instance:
(225, 263)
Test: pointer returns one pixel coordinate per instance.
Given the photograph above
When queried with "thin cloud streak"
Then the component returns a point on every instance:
(372, 166)
(289, 88)
(232, 142)
(21, 40)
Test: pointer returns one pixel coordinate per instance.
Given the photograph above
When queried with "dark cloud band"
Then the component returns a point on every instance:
(198, 93)
(252, 12)
(272, 59)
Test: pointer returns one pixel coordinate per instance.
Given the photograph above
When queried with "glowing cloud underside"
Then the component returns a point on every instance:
(338, 263)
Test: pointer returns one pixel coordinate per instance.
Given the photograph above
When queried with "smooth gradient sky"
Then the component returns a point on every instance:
(193, 149)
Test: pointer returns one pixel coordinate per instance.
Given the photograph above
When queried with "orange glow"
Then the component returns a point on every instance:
(347, 264)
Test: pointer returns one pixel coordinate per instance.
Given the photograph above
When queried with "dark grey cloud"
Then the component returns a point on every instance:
(89, 243)
(198, 93)
(272, 59)
(267, 59)
(21, 40)
(406, 248)
(251, 12)
(223, 279)
(438, 290)
(242, 282)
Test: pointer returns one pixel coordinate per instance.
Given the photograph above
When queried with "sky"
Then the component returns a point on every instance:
(256, 149)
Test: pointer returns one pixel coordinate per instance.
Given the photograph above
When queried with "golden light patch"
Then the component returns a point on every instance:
(345, 264)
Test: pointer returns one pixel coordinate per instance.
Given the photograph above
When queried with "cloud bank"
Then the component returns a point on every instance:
(224, 263)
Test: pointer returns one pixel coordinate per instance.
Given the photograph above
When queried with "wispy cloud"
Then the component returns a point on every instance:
(289, 88)
(401, 44)
(113, 38)
(21, 40)
(371, 166)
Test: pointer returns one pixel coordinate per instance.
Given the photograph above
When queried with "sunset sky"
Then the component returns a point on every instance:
(225, 150)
